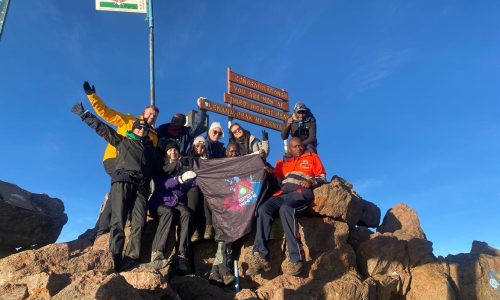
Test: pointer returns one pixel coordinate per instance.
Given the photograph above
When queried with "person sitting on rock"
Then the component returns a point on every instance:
(123, 122)
(299, 174)
(136, 161)
(169, 197)
(301, 124)
(215, 148)
(196, 200)
(184, 135)
(248, 143)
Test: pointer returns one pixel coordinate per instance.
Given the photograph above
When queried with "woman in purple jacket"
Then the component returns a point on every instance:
(169, 198)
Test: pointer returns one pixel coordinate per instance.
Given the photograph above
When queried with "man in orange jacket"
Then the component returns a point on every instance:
(123, 122)
(299, 174)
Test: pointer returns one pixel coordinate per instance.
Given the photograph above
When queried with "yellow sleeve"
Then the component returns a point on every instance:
(109, 115)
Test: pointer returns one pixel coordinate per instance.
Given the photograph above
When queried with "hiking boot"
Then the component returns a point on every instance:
(157, 255)
(209, 232)
(183, 265)
(293, 268)
(214, 276)
(225, 273)
(196, 236)
(257, 262)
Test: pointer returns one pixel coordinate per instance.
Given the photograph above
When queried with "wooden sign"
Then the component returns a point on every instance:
(247, 93)
(235, 100)
(241, 115)
(254, 84)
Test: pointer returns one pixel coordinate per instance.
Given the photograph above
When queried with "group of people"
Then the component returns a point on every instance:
(151, 169)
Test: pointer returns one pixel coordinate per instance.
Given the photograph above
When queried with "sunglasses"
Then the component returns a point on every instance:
(199, 145)
(236, 130)
(217, 132)
(302, 112)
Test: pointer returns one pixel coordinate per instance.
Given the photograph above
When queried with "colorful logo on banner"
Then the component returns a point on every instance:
(244, 193)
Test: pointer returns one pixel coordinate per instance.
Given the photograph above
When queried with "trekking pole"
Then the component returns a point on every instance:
(236, 276)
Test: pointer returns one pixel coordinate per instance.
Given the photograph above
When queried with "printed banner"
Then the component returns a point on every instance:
(233, 188)
(134, 6)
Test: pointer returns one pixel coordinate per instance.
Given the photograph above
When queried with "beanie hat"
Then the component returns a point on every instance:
(299, 107)
(140, 124)
(216, 125)
(170, 145)
(199, 140)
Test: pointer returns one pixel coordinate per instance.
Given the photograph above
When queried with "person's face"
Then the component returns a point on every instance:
(199, 149)
(178, 121)
(172, 154)
(215, 134)
(150, 115)
(232, 151)
(140, 131)
(237, 131)
(300, 114)
(295, 148)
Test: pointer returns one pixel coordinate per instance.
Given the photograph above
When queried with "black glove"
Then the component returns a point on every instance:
(78, 110)
(265, 136)
(88, 90)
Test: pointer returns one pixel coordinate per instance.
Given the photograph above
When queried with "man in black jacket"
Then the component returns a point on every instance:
(137, 158)
(301, 124)
(183, 135)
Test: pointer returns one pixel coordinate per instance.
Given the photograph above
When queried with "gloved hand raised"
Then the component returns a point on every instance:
(188, 175)
(88, 90)
(78, 109)
(265, 135)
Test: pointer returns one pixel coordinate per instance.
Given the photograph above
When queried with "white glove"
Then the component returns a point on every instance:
(188, 175)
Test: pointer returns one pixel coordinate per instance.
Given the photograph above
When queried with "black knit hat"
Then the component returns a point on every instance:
(140, 124)
(171, 145)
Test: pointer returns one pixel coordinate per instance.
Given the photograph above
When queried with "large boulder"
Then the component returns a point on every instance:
(476, 275)
(431, 281)
(28, 220)
(339, 200)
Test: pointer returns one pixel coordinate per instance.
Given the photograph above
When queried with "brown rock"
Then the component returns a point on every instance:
(338, 200)
(476, 274)
(333, 263)
(14, 291)
(430, 281)
(358, 235)
(385, 286)
(384, 254)
(194, 287)
(149, 282)
(402, 221)
(246, 294)
(320, 235)
(96, 285)
(39, 219)
(370, 215)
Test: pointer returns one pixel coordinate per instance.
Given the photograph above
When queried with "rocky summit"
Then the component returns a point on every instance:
(348, 255)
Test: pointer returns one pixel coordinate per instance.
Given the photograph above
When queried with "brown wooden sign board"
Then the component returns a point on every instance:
(247, 93)
(235, 100)
(256, 85)
(241, 115)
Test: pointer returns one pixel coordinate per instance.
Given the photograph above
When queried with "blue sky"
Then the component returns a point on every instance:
(405, 94)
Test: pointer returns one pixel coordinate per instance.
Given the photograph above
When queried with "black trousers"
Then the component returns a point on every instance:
(127, 197)
(165, 215)
(103, 221)
(288, 205)
(201, 213)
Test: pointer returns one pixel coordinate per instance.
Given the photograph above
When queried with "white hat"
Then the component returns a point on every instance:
(216, 125)
(199, 140)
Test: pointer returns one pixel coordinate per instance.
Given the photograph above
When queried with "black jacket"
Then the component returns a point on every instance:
(305, 130)
(215, 149)
(136, 160)
(186, 136)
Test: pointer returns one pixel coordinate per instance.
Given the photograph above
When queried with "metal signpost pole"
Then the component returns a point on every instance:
(151, 54)
(4, 7)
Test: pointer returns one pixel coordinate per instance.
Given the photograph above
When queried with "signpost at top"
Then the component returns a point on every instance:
(136, 6)
(244, 92)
